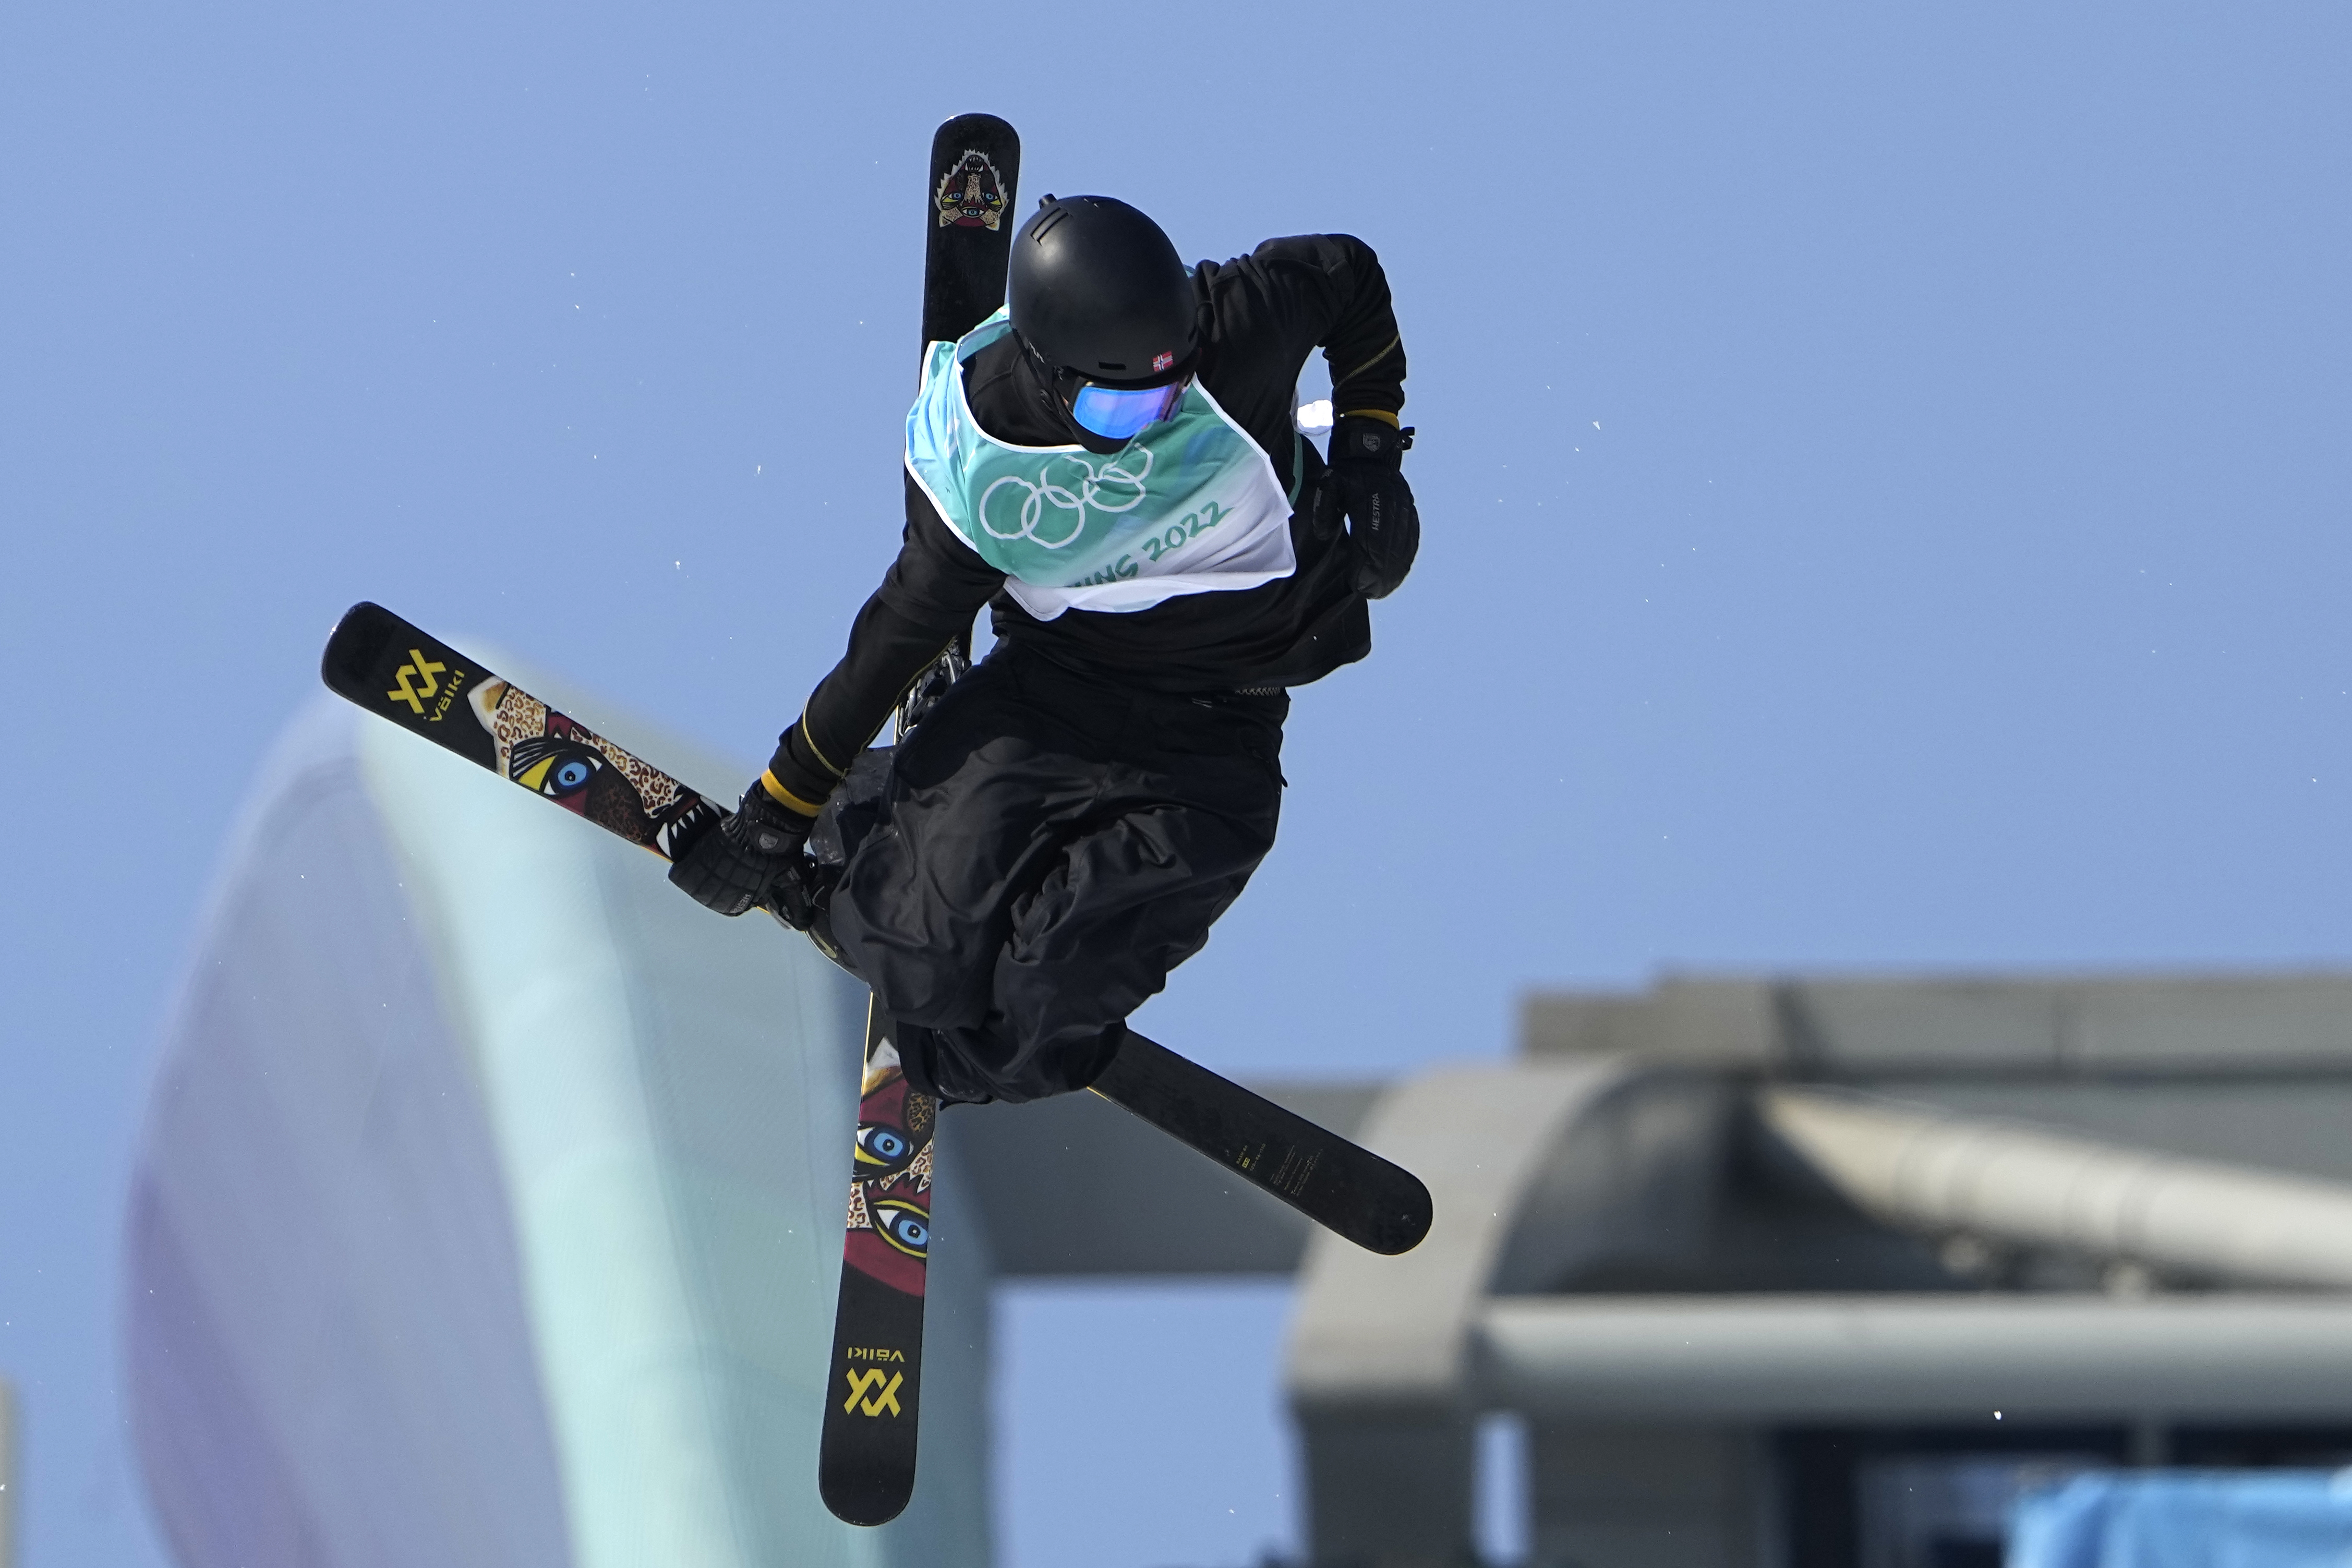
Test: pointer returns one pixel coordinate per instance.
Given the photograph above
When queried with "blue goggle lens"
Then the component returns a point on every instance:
(1115, 416)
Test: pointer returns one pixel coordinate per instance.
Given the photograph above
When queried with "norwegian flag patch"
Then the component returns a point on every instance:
(1162, 362)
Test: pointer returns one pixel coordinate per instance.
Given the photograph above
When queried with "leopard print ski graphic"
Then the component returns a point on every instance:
(564, 760)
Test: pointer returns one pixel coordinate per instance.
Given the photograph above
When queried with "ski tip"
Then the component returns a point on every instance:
(1407, 1222)
(864, 1500)
(352, 647)
(974, 125)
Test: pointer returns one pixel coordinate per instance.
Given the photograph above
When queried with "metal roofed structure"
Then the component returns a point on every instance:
(1817, 1272)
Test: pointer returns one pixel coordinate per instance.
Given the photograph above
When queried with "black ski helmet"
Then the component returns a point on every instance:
(1098, 289)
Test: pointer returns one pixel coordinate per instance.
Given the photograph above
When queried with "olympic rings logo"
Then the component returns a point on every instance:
(1054, 506)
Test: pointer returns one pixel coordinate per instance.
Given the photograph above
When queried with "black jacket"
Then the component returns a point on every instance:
(1262, 315)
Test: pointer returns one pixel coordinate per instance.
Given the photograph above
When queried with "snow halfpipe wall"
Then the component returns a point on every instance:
(488, 1206)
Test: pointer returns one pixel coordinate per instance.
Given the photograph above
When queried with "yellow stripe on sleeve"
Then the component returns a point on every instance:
(785, 798)
(1386, 349)
(838, 771)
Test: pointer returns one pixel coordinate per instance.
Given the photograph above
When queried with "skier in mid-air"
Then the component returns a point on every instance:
(1112, 464)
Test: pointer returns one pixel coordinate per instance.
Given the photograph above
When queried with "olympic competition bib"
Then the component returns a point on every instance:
(1190, 505)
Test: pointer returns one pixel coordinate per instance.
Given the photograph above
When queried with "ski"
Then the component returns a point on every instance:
(865, 1455)
(968, 223)
(1345, 1188)
(393, 670)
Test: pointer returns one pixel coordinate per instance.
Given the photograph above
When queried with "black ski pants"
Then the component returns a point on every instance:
(1046, 846)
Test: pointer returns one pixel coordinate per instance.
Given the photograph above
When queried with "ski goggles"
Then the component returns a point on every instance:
(1117, 413)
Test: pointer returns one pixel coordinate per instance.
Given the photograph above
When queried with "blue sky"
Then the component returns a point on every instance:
(1884, 473)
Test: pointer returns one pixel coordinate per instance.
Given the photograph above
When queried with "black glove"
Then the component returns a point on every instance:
(732, 868)
(1367, 486)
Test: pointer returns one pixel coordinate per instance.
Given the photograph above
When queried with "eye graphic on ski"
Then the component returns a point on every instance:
(890, 1219)
(882, 1151)
(558, 769)
(971, 195)
(555, 756)
(904, 1226)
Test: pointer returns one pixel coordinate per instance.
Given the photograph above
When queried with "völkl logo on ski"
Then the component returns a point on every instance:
(872, 1392)
(424, 671)
(972, 193)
